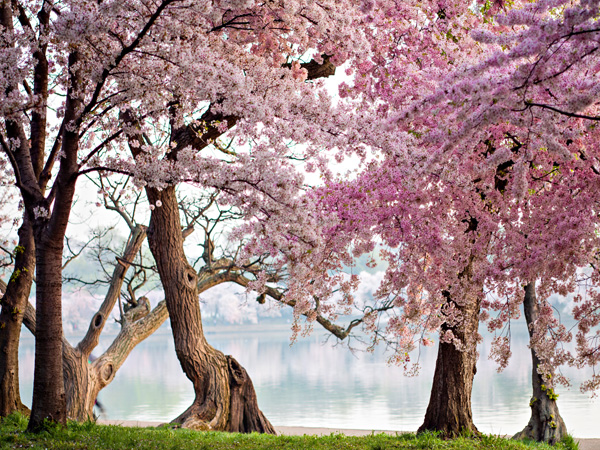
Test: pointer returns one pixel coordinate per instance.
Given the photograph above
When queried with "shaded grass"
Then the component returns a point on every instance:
(89, 436)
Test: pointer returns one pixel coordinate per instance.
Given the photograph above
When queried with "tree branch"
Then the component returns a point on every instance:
(564, 113)
(100, 147)
(101, 169)
(90, 341)
(131, 334)
(124, 52)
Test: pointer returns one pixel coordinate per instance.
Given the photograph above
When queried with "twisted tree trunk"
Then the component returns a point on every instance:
(84, 380)
(545, 424)
(225, 398)
(14, 302)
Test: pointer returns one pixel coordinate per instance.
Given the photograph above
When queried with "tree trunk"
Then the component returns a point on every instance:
(545, 424)
(80, 387)
(50, 220)
(76, 374)
(225, 398)
(84, 380)
(48, 388)
(14, 302)
(449, 410)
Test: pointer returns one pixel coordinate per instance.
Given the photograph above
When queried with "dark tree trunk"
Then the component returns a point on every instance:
(75, 372)
(28, 163)
(48, 387)
(49, 401)
(225, 398)
(449, 410)
(14, 302)
(545, 424)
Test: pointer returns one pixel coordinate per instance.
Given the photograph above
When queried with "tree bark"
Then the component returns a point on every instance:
(545, 424)
(49, 401)
(48, 387)
(14, 302)
(449, 410)
(84, 380)
(28, 163)
(225, 398)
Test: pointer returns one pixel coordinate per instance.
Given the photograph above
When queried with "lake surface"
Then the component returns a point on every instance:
(316, 384)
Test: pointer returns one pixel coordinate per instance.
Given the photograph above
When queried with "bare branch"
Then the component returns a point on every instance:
(90, 341)
(559, 111)
(100, 146)
(101, 169)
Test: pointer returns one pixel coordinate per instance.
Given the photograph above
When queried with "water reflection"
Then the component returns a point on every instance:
(311, 384)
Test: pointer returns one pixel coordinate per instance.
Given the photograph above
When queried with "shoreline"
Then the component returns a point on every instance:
(584, 444)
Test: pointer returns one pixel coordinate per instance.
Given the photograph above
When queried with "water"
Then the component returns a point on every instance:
(315, 384)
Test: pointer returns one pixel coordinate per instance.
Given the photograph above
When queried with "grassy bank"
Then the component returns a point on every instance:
(90, 436)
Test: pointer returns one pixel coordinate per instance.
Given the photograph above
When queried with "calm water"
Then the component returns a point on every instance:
(315, 384)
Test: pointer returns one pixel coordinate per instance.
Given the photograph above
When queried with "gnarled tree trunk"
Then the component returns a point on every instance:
(545, 424)
(225, 398)
(14, 302)
(84, 380)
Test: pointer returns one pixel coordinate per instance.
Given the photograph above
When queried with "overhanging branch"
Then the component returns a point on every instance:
(560, 111)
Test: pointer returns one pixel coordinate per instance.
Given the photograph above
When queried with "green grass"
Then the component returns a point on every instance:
(89, 436)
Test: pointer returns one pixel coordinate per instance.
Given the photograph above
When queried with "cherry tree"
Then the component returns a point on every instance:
(528, 110)
(486, 182)
(540, 82)
(169, 76)
(203, 210)
(434, 231)
(137, 320)
(82, 380)
(148, 88)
